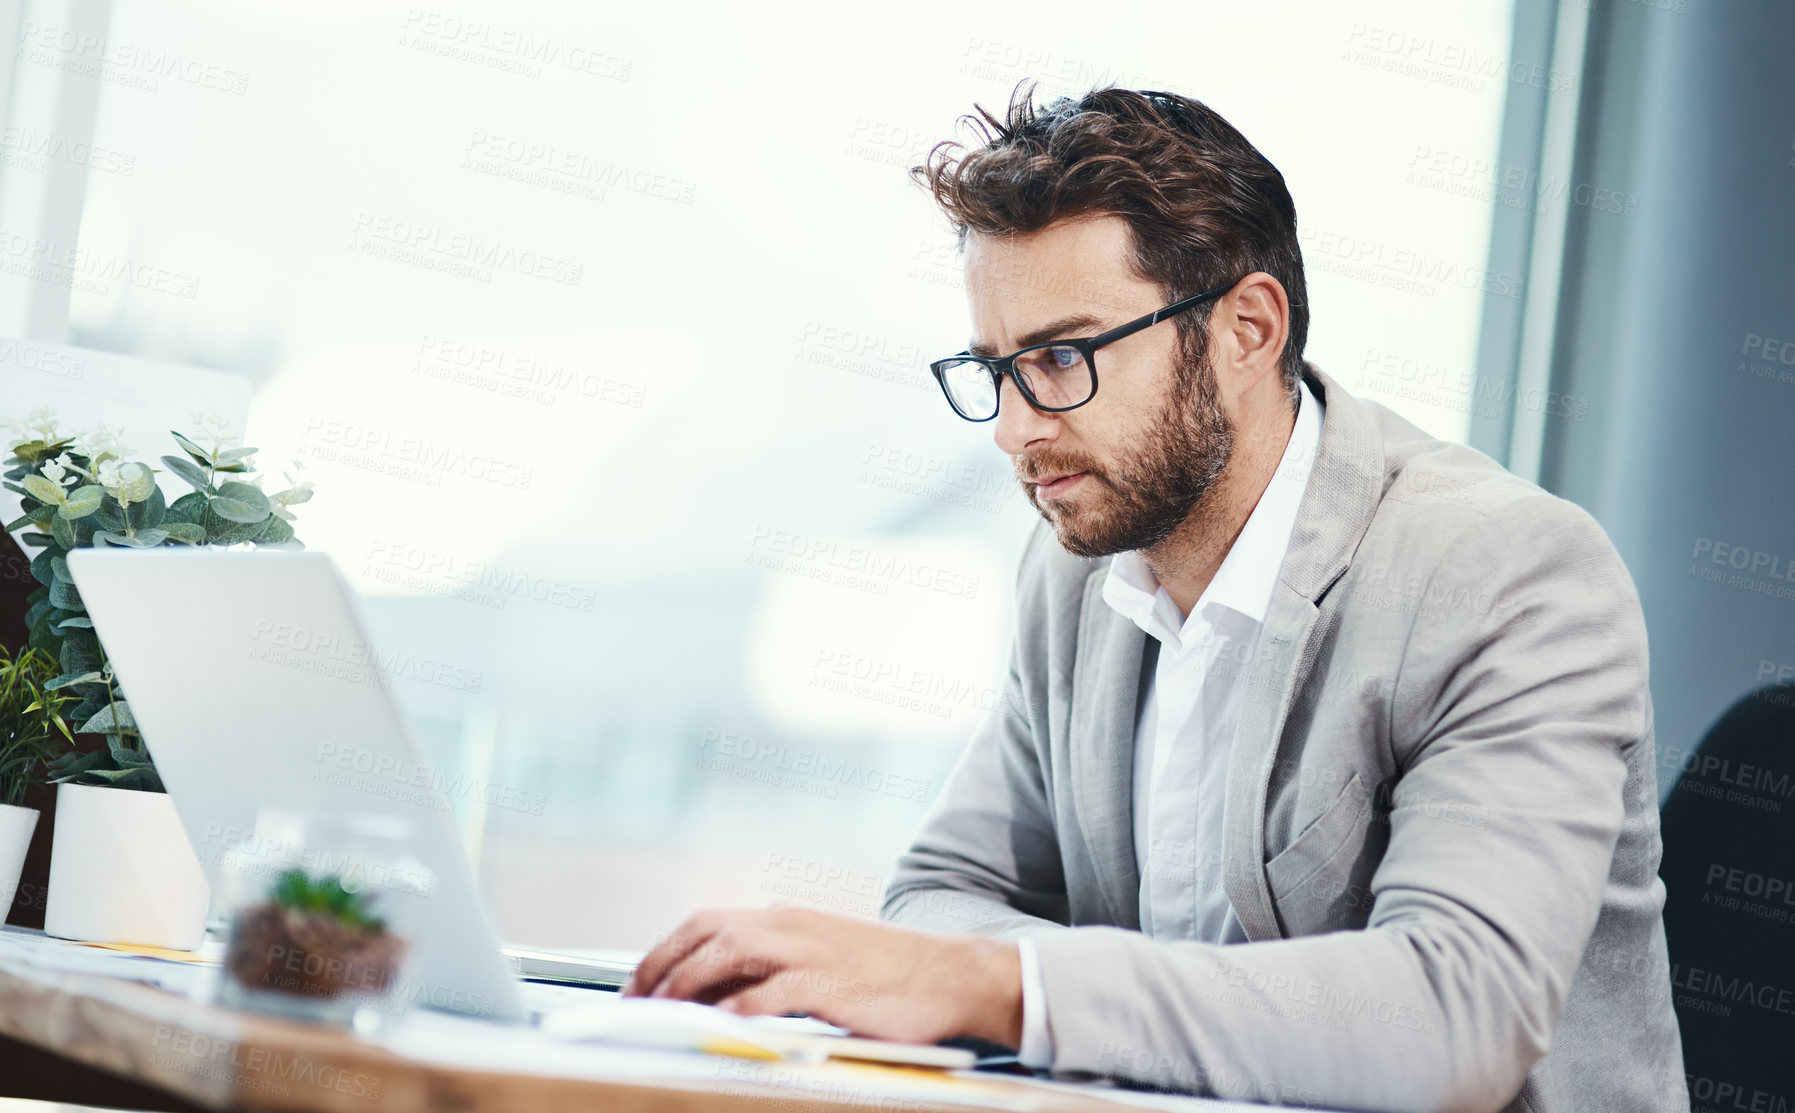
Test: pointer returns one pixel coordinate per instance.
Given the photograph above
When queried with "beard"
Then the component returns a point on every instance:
(1142, 498)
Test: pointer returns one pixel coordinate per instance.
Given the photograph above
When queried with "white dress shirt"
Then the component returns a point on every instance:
(1186, 723)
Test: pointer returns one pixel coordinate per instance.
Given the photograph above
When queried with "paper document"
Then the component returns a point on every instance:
(685, 1026)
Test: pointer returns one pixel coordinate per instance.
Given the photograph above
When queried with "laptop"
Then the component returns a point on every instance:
(251, 676)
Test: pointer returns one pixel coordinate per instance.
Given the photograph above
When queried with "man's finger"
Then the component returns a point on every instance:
(727, 962)
(776, 996)
(669, 951)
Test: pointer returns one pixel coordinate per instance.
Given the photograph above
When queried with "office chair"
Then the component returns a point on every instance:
(1729, 868)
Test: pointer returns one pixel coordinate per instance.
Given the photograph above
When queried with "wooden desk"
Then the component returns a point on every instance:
(216, 1059)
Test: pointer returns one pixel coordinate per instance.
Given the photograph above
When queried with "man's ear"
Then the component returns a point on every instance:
(1250, 327)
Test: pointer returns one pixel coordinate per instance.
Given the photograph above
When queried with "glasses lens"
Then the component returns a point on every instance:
(969, 388)
(1057, 375)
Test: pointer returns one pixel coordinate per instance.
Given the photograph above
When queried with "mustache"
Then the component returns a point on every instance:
(1032, 468)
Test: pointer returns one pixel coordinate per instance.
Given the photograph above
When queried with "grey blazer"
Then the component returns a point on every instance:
(1441, 818)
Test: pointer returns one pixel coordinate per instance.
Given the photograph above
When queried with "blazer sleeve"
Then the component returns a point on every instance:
(1521, 690)
(986, 857)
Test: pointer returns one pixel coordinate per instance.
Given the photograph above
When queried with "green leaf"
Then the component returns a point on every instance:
(275, 531)
(146, 538)
(150, 512)
(64, 595)
(138, 481)
(187, 470)
(200, 455)
(106, 539)
(38, 607)
(293, 496)
(80, 652)
(40, 566)
(187, 533)
(78, 622)
(140, 778)
(43, 490)
(190, 507)
(240, 502)
(110, 720)
(220, 531)
(111, 516)
(68, 679)
(59, 565)
(64, 531)
(235, 455)
(26, 519)
(83, 502)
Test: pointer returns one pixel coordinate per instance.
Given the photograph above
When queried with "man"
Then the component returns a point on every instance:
(1324, 773)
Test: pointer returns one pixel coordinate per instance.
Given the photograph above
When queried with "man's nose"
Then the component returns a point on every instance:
(1018, 423)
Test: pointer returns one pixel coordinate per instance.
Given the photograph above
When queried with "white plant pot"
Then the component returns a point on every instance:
(122, 871)
(16, 825)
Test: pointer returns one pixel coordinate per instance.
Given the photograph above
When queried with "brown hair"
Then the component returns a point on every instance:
(1203, 205)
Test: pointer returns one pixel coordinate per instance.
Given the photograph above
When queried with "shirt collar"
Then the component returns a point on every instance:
(1249, 571)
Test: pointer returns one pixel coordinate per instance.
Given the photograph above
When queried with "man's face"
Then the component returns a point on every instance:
(1124, 470)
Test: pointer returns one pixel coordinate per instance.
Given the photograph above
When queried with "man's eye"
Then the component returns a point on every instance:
(1066, 358)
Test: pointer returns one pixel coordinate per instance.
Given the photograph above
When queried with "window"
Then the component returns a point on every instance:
(698, 608)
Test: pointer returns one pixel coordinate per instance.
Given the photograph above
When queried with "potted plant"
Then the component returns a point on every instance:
(32, 730)
(121, 868)
(314, 939)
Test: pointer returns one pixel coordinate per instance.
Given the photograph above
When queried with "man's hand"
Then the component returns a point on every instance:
(871, 978)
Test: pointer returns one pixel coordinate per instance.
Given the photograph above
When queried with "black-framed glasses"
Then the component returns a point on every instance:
(1055, 377)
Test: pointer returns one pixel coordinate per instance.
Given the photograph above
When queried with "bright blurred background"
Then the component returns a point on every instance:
(602, 333)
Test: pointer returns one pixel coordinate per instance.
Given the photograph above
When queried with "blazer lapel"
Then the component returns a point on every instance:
(1269, 683)
(1105, 688)
(1345, 486)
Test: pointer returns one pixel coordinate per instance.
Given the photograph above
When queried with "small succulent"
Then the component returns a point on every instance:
(326, 895)
(80, 492)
